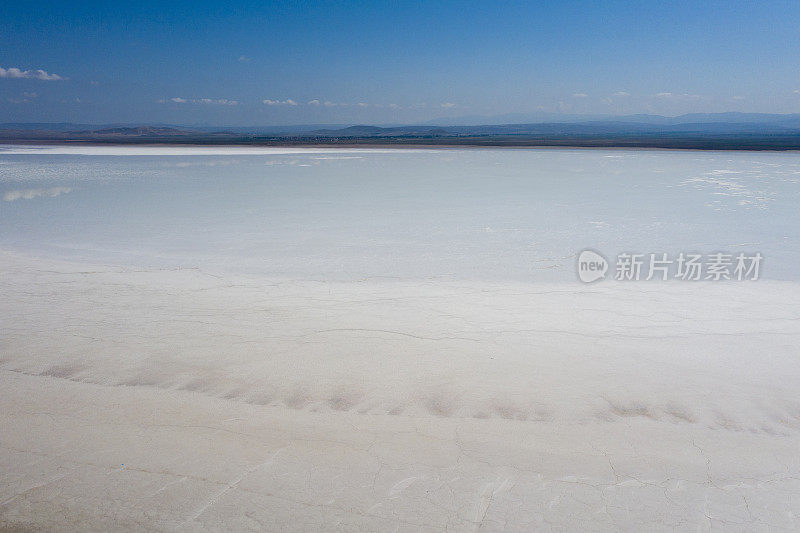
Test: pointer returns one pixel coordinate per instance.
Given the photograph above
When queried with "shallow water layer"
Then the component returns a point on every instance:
(411, 214)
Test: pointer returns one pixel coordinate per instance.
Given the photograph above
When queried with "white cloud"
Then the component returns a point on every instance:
(16, 73)
(621, 94)
(448, 105)
(211, 101)
(329, 103)
(737, 98)
(676, 96)
(219, 101)
(26, 98)
(288, 101)
(580, 95)
(30, 194)
(243, 59)
(796, 91)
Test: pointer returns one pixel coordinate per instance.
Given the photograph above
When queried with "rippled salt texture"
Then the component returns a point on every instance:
(411, 214)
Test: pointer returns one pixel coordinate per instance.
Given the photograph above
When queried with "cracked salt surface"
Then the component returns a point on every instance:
(401, 387)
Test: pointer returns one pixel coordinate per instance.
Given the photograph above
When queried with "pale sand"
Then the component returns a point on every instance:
(176, 399)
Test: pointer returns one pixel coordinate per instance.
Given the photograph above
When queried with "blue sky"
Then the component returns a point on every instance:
(268, 63)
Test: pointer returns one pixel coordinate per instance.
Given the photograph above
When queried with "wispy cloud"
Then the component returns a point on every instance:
(329, 103)
(294, 103)
(621, 94)
(677, 96)
(219, 101)
(26, 97)
(39, 74)
(209, 101)
(580, 95)
(448, 105)
(288, 101)
(243, 59)
(30, 194)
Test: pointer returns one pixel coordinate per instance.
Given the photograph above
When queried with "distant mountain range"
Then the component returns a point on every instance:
(697, 130)
(563, 118)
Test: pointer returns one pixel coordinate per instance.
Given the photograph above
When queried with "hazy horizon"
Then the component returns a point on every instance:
(735, 117)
